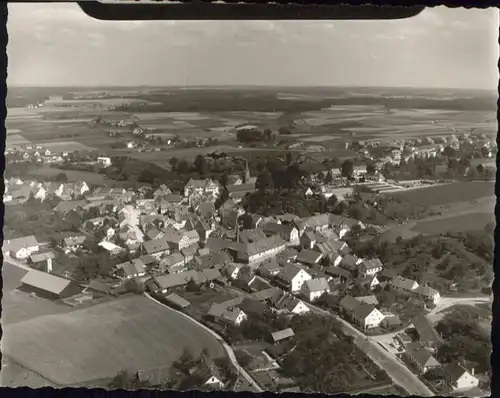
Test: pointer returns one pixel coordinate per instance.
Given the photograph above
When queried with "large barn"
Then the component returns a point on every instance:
(49, 286)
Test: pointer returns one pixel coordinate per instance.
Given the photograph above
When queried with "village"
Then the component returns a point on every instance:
(200, 252)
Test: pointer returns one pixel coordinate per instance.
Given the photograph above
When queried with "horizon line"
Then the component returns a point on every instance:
(245, 86)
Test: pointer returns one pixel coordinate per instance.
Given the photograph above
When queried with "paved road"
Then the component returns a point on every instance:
(396, 370)
(227, 347)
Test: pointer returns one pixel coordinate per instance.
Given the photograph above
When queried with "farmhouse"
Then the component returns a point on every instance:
(258, 250)
(20, 248)
(173, 263)
(428, 293)
(404, 286)
(157, 248)
(41, 258)
(111, 247)
(131, 269)
(287, 232)
(228, 312)
(48, 285)
(365, 315)
(104, 161)
(460, 377)
(291, 277)
(422, 359)
(427, 335)
(177, 301)
(291, 305)
(309, 257)
(73, 243)
(370, 267)
(313, 289)
(282, 335)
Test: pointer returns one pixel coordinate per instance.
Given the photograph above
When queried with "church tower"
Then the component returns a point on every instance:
(246, 175)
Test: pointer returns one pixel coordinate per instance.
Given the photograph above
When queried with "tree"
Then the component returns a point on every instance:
(182, 166)
(124, 380)
(347, 168)
(328, 177)
(370, 169)
(449, 152)
(173, 162)
(223, 179)
(265, 181)
(61, 177)
(480, 169)
(200, 164)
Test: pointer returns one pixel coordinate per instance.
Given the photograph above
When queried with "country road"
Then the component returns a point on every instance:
(227, 347)
(396, 370)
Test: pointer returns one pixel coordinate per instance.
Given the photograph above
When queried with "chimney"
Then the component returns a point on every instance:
(472, 371)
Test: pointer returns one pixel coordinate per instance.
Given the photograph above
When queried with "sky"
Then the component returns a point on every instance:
(439, 48)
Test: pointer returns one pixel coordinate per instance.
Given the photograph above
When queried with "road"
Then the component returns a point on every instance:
(447, 302)
(396, 370)
(227, 347)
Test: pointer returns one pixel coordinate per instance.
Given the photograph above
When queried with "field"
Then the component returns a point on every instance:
(44, 172)
(133, 332)
(459, 223)
(447, 194)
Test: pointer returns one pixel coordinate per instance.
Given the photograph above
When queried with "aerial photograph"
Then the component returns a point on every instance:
(283, 206)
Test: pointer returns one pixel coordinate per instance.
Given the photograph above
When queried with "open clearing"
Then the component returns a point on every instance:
(66, 146)
(45, 172)
(446, 194)
(133, 332)
(460, 223)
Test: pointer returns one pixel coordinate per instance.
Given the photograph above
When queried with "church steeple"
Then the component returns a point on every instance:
(246, 175)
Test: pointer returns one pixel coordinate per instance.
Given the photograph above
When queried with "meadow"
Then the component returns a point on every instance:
(134, 332)
(458, 223)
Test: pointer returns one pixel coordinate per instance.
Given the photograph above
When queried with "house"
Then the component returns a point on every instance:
(460, 378)
(40, 258)
(422, 359)
(216, 259)
(72, 243)
(391, 321)
(309, 257)
(370, 282)
(238, 191)
(253, 307)
(190, 252)
(287, 232)
(362, 314)
(66, 206)
(341, 193)
(228, 311)
(369, 267)
(258, 250)
(252, 235)
(337, 274)
(131, 269)
(104, 161)
(367, 300)
(111, 247)
(404, 286)
(207, 188)
(128, 215)
(20, 248)
(49, 285)
(291, 277)
(426, 332)
(180, 239)
(315, 288)
(206, 210)
(350, 262)
(291, 305)
(204, 376)
(178, 301)
(315, 223)
(428, 293)
(148, 260)
(232, 270)
(157, 248)
(97, 289)
(95, 222)
(282, 336)
(269, 268)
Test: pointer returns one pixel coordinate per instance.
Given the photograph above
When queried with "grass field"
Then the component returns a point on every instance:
(96, 343)
(458, 223)
(45, 172)
(447, 194)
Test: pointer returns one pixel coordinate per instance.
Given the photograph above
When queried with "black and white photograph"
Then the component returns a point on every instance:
(296, 206)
